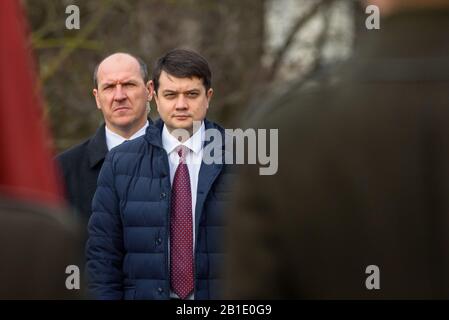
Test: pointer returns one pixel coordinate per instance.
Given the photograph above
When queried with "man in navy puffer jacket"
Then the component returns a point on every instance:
(132, 251)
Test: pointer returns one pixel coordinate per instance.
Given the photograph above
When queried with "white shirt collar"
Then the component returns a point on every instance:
(194, 143)
(113, 139)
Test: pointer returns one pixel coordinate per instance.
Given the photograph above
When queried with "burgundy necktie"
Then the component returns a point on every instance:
(181, 233)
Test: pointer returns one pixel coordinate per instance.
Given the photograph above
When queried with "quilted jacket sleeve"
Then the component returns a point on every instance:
(104, 250)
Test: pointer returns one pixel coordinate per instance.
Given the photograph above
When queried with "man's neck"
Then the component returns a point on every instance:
(184, 134)
(125, 132)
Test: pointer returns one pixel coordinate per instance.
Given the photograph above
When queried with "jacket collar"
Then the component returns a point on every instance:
(97, 148)
(153, 134)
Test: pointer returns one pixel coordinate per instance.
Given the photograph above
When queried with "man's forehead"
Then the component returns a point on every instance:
(120, 72)
(168, 82)
(118, 77)
(119, 58)
(119, 63)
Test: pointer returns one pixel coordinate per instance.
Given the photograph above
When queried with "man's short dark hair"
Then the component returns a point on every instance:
(182, 63)
(142, 65)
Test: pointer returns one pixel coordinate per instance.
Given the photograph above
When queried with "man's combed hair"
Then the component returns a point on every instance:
(142, 65)
(182, 63)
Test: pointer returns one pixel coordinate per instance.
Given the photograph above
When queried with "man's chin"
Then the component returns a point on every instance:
(183, 124)
(124, 121)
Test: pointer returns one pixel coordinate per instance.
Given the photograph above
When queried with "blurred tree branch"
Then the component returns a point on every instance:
(300, 22)
(76, 42)
(320, 42)
(263, 109)
(49, 25)
(64, 42)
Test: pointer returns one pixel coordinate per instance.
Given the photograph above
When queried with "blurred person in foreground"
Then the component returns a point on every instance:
(122, 93)
(363, 178)
(158, 213)
(38, 240)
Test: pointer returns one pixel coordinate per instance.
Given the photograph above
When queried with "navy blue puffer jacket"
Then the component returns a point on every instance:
(127, 249)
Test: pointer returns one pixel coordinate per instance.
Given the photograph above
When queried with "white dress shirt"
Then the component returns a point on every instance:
(193, 161)
(113, 139)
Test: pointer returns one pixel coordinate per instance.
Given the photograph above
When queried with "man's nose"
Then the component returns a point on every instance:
(181, 102)
(119, 93)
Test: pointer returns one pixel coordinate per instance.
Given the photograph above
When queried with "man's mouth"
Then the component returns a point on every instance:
(181, 116)
(121, 108)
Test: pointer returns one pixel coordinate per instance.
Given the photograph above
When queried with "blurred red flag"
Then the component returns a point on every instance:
(27, 170)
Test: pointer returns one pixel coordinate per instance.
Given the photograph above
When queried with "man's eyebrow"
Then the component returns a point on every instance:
(188, 90)
(130, 81)
(106, 84)
(113, 83)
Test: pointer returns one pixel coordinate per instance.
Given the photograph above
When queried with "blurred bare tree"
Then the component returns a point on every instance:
(252, 46)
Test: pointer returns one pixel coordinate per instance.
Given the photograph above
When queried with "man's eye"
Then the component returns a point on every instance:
(169, 95)
(192, 94)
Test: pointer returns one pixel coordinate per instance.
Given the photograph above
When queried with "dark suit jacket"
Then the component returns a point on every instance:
(363, 178)
(80, 166)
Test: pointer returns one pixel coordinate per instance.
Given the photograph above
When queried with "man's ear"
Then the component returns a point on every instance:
(95, 93)
(209, 95)
(156, 98)
(150, 88)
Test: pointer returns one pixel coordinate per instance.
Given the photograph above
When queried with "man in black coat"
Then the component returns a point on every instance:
(359, 207)
(122, 94)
